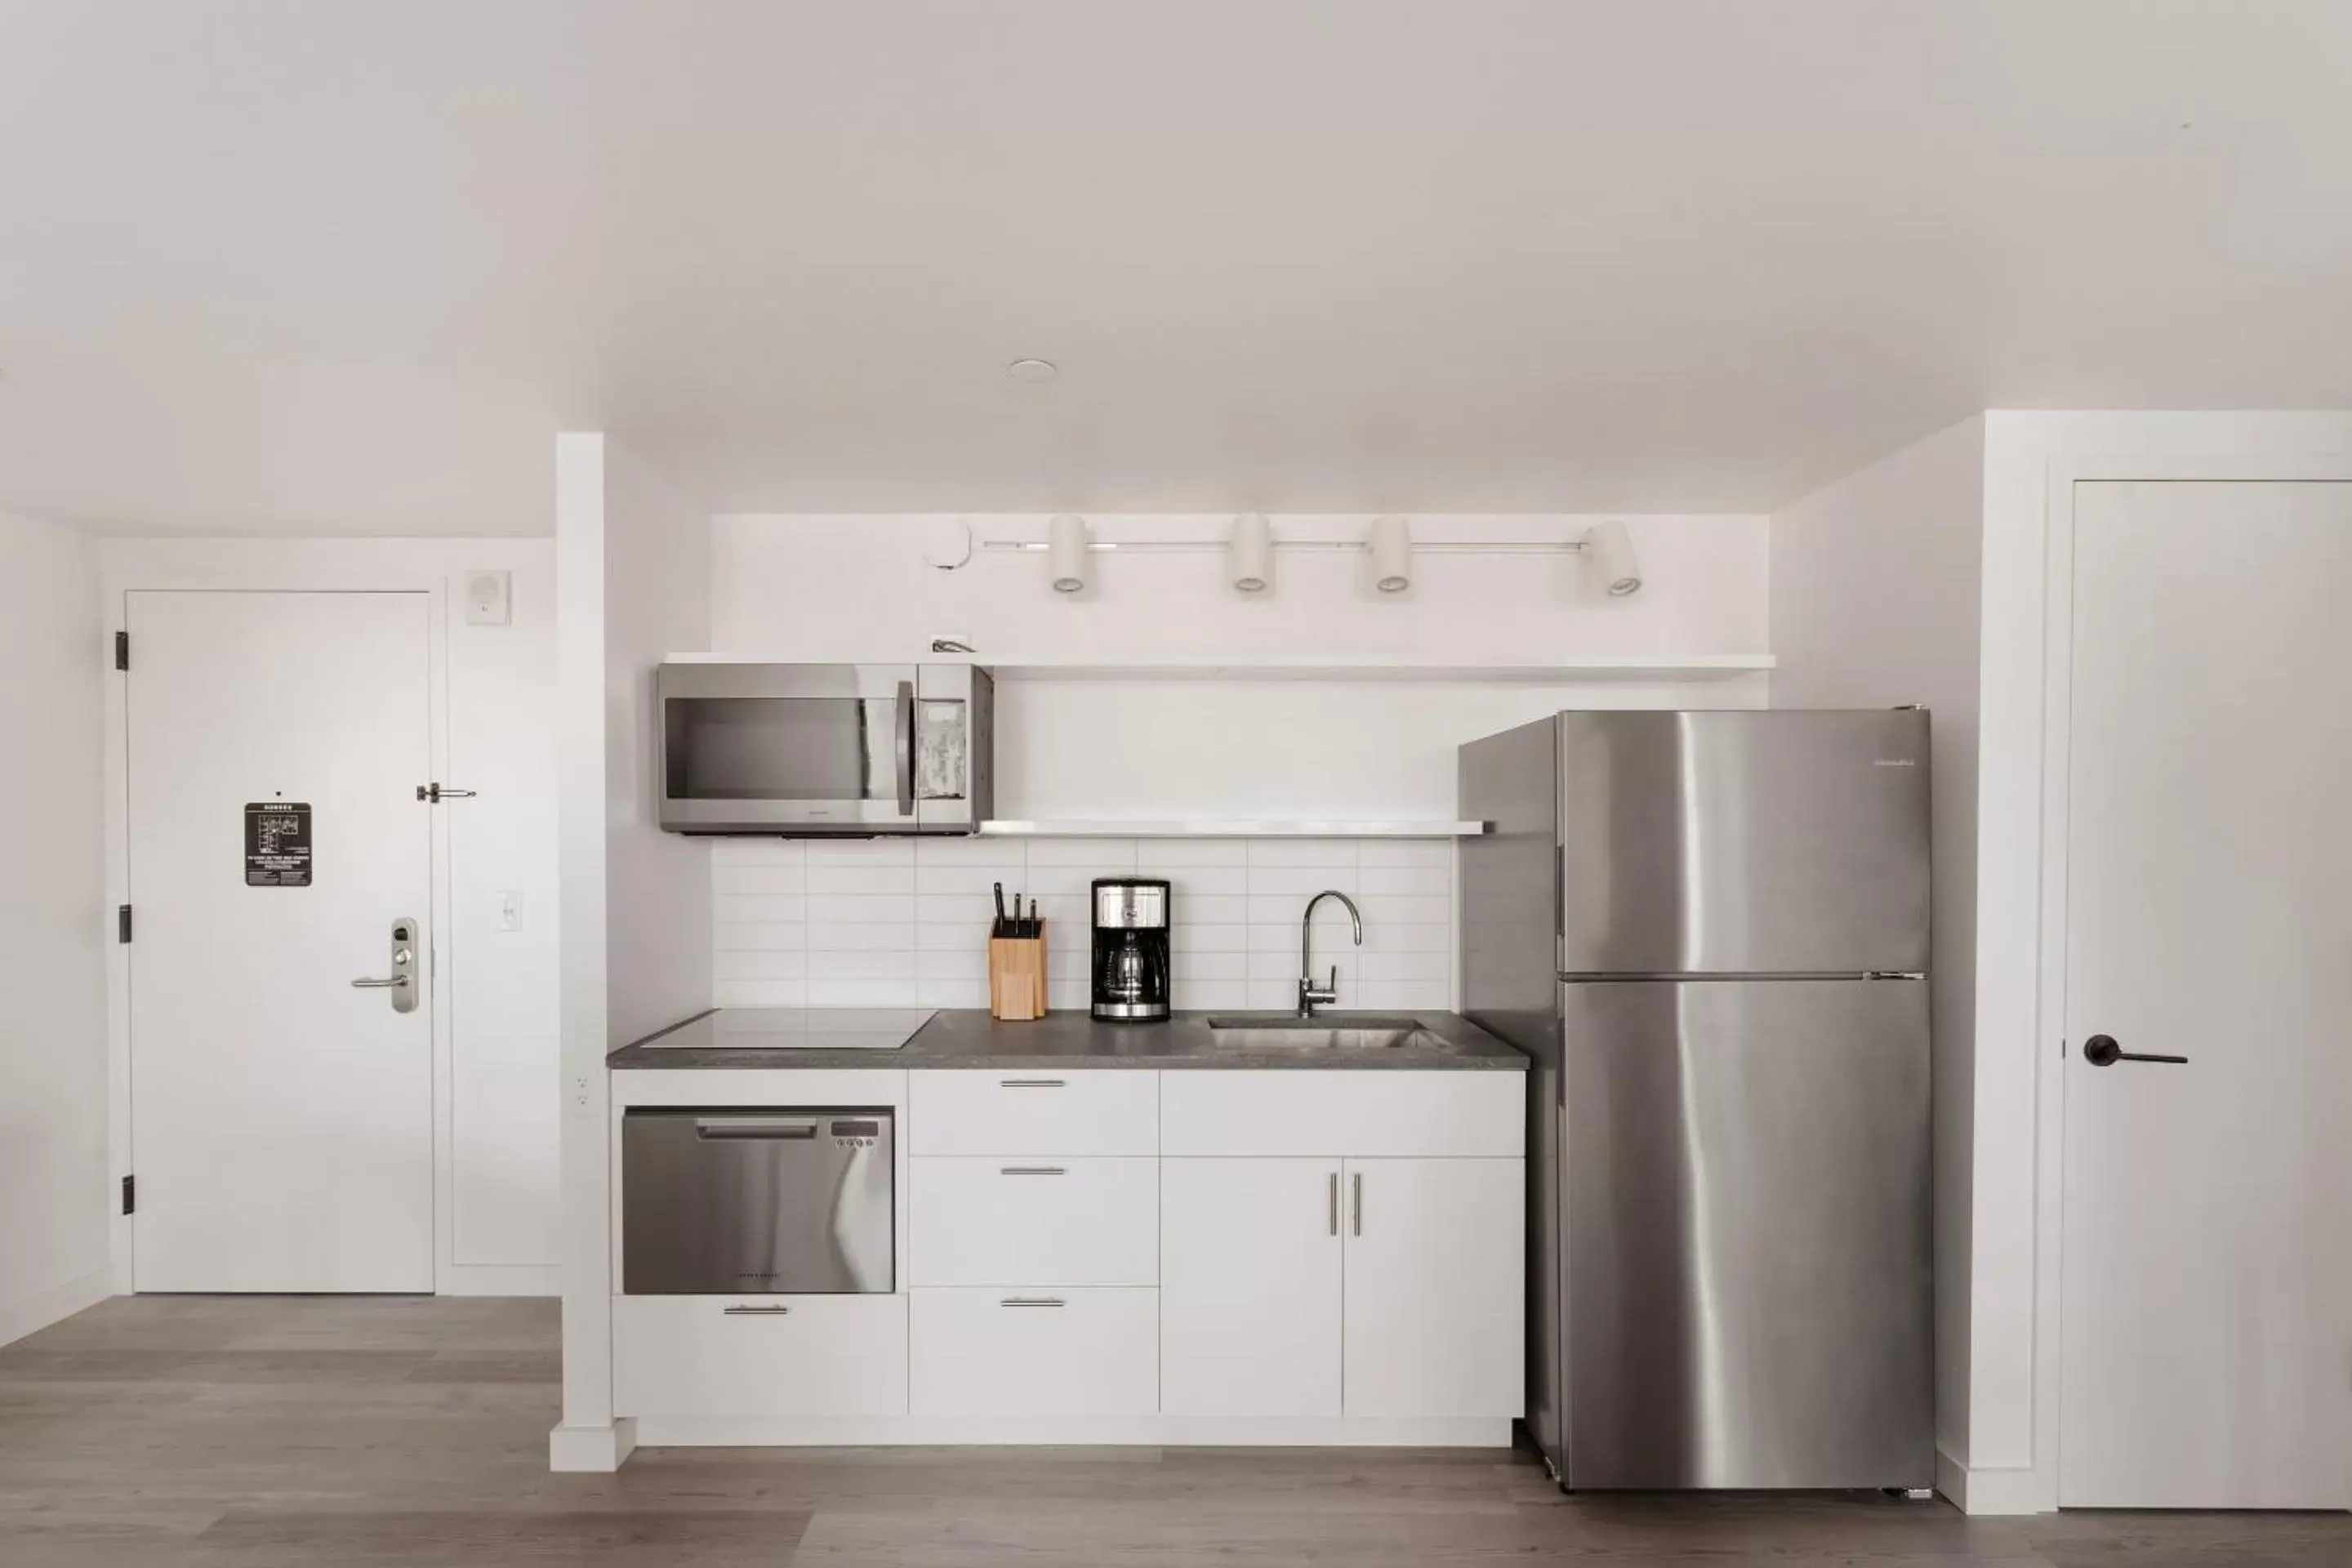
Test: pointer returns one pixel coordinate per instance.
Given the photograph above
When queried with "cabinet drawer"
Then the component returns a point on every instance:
(1036, 1352)
(1344, 1114)
(822, 1356)
(990, 1220)
(1063, 1111)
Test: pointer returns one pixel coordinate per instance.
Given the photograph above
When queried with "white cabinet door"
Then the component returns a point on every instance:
(1250, 1287)
(1435, 1314)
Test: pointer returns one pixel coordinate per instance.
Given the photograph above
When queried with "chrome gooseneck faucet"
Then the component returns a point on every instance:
(1311, 995)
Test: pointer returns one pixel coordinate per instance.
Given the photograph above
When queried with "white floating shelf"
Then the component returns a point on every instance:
(1002, 829)
(1347, 667)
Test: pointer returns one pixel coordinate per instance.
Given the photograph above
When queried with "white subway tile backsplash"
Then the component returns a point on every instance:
(1227, 937)
(759, 993)
(756, 936)
(758, 852)
(1424, 882)
(894, 936)
(760, 881)
(1331, 854)
(1383, 852)
(778, 909)
(828, 879)
(1158, 857)
(1210, 908)
(891, 964)
(793, 965)
(904, 922)
(860, 852)
(835, 908)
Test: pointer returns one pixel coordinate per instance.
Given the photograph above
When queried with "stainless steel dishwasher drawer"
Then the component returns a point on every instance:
(741, 1202)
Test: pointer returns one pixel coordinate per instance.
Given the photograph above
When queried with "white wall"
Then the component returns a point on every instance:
(895, 923)
(495, 1072)
(1876, 583)
(633, 570)
(54, 1187)
(856, 587)
(2014, 1304)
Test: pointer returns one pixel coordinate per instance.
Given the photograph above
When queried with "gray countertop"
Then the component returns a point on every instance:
(969, 1037)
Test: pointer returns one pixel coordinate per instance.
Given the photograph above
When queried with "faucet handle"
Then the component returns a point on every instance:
(1332, 985)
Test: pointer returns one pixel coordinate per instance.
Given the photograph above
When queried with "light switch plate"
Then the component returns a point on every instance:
(489, 598)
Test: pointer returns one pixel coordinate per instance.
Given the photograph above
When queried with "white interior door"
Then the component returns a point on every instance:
(1435, 1311)
(2208, 1274)
(1249, 1287)
(281, 1120)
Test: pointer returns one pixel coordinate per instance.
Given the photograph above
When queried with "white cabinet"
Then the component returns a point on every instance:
(1035, 1353)
(1061, 1111)
(760, 1355)
(1435, 1315)
(1250, 1291)
(1338, 1243)
(1026, 1221)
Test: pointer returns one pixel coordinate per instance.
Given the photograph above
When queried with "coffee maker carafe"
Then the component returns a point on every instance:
(1130, 972)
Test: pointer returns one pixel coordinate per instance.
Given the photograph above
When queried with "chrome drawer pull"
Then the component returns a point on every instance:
(1033, 1301)
(757, 1311)
(1032, 1083)
(1031, 1170)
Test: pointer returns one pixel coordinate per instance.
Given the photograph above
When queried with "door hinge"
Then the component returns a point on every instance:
(130, 1195)
(122, 650)
(122, 922)
(436, 793)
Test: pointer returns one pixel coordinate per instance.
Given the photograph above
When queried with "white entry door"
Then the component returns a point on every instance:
(281, 1118)
(2208, 1241)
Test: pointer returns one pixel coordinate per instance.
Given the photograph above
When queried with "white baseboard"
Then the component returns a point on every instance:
(1987, 1491)
(34, 1314)
(1153, 1431)
(594, 1450)
(501, 1279)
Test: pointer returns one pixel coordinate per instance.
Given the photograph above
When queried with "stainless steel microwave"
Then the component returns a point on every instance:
(808, 749)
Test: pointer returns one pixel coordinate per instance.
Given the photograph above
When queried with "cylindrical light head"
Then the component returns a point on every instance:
(1609, 550)
(1067, 551)
(1250, 552)
(1390, 544)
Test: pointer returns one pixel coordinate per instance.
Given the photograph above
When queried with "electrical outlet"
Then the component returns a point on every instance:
(580, 1091)
(511, 909)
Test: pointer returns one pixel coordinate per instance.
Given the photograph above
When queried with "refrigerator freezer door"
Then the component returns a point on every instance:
(1743, 843)
(1745, 1186)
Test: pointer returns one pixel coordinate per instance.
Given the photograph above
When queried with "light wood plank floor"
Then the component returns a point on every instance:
(273, 1432)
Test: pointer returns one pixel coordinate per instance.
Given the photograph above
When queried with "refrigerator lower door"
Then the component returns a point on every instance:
(1746, 1193)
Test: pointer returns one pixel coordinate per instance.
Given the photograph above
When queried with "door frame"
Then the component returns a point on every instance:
(2064, 475)
(115, 585)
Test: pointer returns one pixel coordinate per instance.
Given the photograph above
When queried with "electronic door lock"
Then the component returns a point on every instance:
(402, 980)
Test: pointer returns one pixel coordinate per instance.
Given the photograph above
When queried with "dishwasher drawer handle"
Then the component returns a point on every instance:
(1033, 1301)
(754, 1127)
(757, 1311)
(1031, 1170)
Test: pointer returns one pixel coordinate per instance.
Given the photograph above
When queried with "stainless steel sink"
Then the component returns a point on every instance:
(1327, 1032)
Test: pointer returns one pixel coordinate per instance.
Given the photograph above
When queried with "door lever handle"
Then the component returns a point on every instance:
(2101, 1051)
(385, 984)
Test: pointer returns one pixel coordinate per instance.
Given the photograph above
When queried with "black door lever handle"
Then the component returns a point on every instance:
(2101, 1051)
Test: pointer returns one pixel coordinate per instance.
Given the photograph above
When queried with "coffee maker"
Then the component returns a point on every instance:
(1130, 949)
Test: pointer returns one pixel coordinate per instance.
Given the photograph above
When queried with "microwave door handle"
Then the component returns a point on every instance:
(906, 748)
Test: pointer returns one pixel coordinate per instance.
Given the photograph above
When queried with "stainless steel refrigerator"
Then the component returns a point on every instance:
(1709, 930)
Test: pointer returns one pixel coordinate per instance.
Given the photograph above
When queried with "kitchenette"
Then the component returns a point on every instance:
(1304, 1131)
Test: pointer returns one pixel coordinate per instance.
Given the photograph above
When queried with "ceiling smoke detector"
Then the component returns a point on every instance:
(1033, 370)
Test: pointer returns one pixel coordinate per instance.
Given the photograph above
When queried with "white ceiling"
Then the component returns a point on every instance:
(285, 267)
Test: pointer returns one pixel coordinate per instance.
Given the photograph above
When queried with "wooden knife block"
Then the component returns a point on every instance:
(1016, 976)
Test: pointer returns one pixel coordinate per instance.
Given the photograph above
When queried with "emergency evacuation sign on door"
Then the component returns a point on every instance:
(277, 844)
